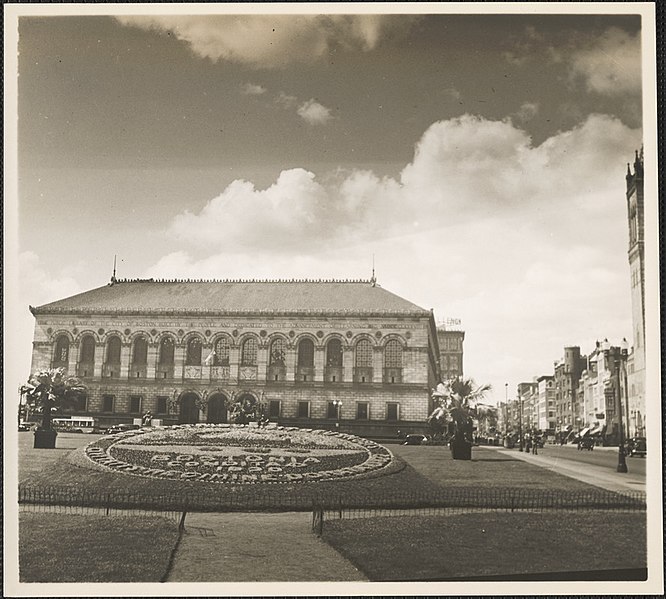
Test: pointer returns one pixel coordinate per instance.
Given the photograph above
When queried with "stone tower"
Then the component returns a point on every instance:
(636, 362)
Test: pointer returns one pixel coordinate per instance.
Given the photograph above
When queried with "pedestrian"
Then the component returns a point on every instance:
(534, 447)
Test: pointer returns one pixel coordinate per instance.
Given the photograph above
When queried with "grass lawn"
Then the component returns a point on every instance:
(57, 469)
(480, 544)
(82, 548)
(488, 469)
(422, 471)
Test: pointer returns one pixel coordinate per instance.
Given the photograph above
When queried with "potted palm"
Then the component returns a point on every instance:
(47, 392)
(456, 403)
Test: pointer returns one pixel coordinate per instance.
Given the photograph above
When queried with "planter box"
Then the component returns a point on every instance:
(45, 439)
(461, 449)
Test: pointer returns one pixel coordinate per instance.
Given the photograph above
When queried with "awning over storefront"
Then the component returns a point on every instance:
(597, 429)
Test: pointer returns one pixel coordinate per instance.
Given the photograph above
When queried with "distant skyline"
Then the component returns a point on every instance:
(479, 158)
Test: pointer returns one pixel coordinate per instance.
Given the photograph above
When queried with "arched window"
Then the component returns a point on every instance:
(140, 352)
(193, 353)
(166, 351)
(306, 353)
(249, 352)
(278, 352)
(393, 354)
(113, 350)
(87, 354)
(61, 355)
(334, 353)
(222, 352)
(363, 354)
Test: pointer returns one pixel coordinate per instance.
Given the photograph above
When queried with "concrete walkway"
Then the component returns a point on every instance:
(254, 547)
(598, 476)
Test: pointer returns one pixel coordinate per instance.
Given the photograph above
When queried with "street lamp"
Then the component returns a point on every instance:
(506, 414)
(520, 422)
(338, 409)
(619, 362)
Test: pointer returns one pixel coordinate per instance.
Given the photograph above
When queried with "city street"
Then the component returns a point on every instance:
(599, 456)
(597, 467)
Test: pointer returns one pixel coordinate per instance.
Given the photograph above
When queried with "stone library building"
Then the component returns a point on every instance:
(319, 354)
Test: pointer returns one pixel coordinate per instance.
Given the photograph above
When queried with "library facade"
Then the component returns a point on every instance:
(345, 355)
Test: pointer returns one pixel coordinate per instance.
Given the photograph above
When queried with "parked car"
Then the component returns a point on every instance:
(24, 426)
(586, 443)
(121, 428)
(415, 440)
(636, 446)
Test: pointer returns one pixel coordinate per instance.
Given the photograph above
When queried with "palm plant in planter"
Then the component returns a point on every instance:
(46, 392)
(456, 406)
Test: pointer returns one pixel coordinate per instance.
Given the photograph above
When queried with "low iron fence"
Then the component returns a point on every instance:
(457, 501)
(297, 499)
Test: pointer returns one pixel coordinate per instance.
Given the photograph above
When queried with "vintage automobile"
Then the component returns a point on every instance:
(586, 443)
(636, 446)
(415, 440)
(121, 428)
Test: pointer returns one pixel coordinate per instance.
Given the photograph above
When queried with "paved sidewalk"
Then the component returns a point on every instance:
(255, 547)
(599, 476)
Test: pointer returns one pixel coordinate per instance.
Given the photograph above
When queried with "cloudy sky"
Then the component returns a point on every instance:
(479, 158)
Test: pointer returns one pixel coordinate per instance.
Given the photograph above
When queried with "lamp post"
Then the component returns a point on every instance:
(506, 414)
(520, 422)
(338, 409)
(618, 360)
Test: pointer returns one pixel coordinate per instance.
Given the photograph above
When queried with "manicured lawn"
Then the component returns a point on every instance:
(482, 544)
(488, 469)
(421, 471)
(70, 469)
(88, 548)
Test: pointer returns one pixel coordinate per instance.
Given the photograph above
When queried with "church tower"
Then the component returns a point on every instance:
(636, 362)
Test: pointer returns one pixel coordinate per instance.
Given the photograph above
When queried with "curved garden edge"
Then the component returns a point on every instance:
(236, 454)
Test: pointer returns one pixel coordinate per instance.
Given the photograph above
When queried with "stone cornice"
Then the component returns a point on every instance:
(92, 311)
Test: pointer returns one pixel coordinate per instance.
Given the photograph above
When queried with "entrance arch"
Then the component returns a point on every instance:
(189, 412)
(217, 409)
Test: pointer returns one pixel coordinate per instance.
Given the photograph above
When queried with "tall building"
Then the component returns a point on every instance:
(186, 350)
(567, 376)
(546, 417)
(450, 338)
(636, 362)
(527, 396)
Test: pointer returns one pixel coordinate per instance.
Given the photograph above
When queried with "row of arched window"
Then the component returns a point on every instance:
(219, 356)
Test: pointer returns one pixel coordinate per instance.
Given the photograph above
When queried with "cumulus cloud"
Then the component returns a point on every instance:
(40, 286)
(269, 41)
(463, 170)
(526, 112)
(521, 242)
(313, 113)
(608, 63)
(295, 208)
(252, 89)
(611, 63)
(36, 286)
(286, 101)
(452, 92)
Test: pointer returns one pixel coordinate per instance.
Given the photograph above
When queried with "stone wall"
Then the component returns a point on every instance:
(410, 388)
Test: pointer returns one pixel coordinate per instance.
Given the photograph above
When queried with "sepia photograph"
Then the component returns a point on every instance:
(331, 299)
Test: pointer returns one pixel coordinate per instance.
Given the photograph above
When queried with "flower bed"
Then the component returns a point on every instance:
(239, 454)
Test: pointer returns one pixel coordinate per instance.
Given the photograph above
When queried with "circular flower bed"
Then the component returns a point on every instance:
(238, 454)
